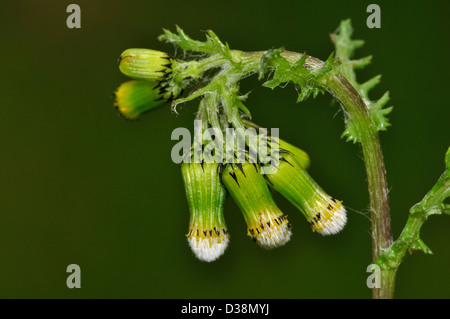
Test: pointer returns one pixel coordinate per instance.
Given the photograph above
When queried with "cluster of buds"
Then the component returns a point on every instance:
(207, 184)
(158, 78)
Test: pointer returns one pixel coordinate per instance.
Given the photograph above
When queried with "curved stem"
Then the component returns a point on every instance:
(376, 175)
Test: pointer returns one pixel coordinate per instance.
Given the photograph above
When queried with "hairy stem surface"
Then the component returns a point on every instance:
(376, 175)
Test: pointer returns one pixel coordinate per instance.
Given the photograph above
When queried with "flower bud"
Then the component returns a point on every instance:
(145, 64)
(266, 224)
(136, 97)
(207, 235)
(324, 213)
(300, 155)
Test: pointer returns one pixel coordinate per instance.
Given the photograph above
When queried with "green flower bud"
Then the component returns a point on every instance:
(145, 64)
(207, 235)
(136, 97)
(300, 155)
(324, 213)
(266, 224)
(156, 68)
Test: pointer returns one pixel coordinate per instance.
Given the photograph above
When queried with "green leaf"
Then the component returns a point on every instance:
(345, 47)
(214, 42)
(379, 113)
(267, 57)
(296, 72)
(368, 85)
(361, 63)
(212, 45)
(350, 132)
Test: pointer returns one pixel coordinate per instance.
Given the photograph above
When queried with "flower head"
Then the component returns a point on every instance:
(134, 98)
(146, 64)
(266, 223)
(325, 214)
(207, 235)
(154, 82)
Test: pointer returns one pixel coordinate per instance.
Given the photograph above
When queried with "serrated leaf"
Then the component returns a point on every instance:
(212, 45)
(296, 72)
(379, 113)
(317, 91)
(331, 63)
(368, 85)
(345, 47)
(266, 59)
(361, 63)
(272, 83)
(305, 92)
(224, 49)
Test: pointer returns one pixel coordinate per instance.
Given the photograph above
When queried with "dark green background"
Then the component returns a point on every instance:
(81, 185)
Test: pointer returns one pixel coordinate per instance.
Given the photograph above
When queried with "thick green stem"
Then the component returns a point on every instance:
(376, 174)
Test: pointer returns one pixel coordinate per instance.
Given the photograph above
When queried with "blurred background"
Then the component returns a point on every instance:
(80, 185)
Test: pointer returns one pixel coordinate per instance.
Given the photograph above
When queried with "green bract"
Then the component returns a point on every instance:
(207, 234)
(133, 98)
(145, 64)
(266, 223)
(300, 155)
